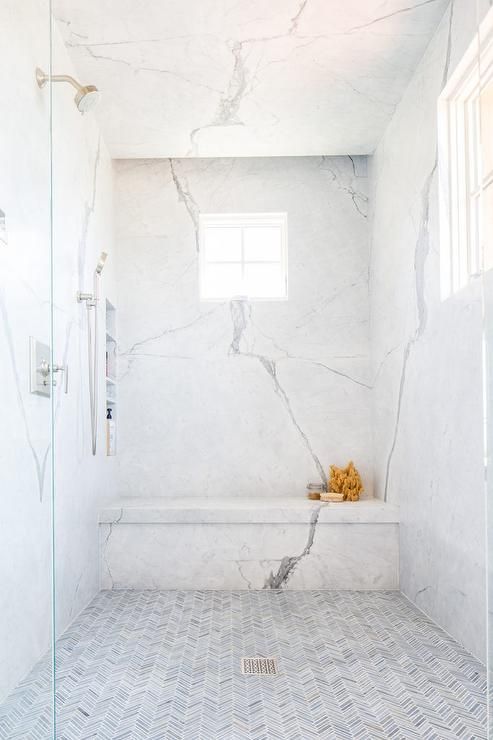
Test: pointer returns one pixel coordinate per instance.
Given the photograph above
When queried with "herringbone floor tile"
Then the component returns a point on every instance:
(154, 665)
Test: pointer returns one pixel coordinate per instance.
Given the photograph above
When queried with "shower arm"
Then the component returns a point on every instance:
(43, 78)
(86, 97)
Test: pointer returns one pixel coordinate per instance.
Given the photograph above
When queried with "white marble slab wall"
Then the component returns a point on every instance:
(238, 398)
(426, 357)
(250, 556)
(303, 78)
(252, 543)
(24, 294)
(82, 226)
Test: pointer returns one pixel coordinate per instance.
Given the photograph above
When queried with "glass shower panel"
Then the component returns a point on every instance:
(82, 228)
(26, 661)
(485, 53)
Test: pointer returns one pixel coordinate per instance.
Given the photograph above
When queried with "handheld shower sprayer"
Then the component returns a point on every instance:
(102, 259)
(91, 300)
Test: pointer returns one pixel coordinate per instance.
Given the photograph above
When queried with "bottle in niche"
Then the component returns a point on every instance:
(111, 360)
(110, 433)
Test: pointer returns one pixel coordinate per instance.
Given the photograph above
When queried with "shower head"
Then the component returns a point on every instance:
(102, 259)
(87, 96)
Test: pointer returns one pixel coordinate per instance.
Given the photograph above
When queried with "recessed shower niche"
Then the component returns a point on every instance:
(111, 371)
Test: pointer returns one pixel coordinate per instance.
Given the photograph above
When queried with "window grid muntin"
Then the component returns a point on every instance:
(243, 221)
(462, 249)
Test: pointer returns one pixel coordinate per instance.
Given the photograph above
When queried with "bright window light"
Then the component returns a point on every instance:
(243, 256)
(465, 115)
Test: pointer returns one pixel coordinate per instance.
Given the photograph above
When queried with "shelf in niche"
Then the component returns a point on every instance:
(111, 377)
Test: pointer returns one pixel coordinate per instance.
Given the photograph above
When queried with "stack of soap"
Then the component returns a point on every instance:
(331, 496)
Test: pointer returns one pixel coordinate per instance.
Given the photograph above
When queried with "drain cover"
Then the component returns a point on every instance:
(259, 666)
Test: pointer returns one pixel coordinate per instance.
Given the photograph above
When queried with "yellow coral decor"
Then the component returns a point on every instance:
(346, 481)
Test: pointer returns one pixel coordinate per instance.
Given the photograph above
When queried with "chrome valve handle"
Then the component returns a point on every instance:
(46, 371)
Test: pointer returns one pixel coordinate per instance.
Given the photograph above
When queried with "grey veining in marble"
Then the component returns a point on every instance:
(81, 222)
(296, 77)
(242, 398)
(289, 562)
(253, 543)
(427, 358)
(253, 555)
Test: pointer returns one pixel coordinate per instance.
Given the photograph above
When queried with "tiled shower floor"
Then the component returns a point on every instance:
(166, 665)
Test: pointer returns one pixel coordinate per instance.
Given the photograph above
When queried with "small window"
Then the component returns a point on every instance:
(466, 166)
(243, 256)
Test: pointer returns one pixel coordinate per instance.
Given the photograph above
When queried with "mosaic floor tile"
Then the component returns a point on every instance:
(165, 665)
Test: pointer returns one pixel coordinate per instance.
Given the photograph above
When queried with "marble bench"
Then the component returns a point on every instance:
(254, 543)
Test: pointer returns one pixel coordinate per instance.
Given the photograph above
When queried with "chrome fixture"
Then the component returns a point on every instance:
(91, 300)
(42, 371)
(87, 96)
(102, 259)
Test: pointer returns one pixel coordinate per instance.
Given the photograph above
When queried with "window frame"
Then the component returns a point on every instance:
(462, 181)
(242, 221)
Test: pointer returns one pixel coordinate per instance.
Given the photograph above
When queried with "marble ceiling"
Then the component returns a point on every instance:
(246, 78)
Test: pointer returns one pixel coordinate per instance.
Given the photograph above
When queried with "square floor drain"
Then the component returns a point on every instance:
(259, 666)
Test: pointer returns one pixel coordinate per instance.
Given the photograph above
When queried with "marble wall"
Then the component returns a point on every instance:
(24, 310)
(81, 228)
(304, 78)
(361, 557)
(238, 398)
(426, 358)
(233, 399)
(249, 543)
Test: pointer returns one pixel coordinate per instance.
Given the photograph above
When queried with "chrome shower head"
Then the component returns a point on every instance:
(102, 259)
(87, 96)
